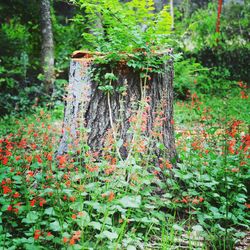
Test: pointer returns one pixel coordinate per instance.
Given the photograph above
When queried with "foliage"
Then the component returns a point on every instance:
(15, 65)
(219, 50)
(116, 26)
(87, 199)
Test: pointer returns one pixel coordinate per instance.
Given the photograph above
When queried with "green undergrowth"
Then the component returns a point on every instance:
(91, 200)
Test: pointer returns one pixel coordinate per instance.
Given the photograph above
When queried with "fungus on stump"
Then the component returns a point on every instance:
(99, 112)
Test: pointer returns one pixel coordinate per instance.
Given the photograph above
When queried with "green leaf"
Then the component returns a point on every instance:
(55, 226)
(130, 201)
(177, 227)
(78, 206)
(83, 220)
(130, 247)
(197, 228)
(107, 234)
(49, 211)
(96, 225)
(31, 217)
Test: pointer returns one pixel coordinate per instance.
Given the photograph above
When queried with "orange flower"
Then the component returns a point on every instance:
(111, 196)
(235, 170)
(110, 170)
(73, 216)
(168, 165)
(72, 241)
(77, 235)
(72, 198)
(65, 240)
(49, 157)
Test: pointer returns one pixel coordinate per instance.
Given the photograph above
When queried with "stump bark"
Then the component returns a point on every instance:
(87, 105)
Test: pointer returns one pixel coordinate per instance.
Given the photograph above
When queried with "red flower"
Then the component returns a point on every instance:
(62, 159)
(73, 216)
(15, 210)
(243, 95)
(184, 200)
(72, 198)
(9, 208)
(201, 199)
(49, 234)
(65, 240)
(32, 203)
(49, 157)
(18, 158)
(5, 160)
(6, 190)
(16, 195)
(37, 234)
(42, 202)
(38, 157)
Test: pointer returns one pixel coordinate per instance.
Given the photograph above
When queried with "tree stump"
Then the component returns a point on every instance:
(99, 112)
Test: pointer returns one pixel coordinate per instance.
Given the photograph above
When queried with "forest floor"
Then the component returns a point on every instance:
(205, 205)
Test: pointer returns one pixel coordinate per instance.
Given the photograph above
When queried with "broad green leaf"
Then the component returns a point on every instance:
(177, 227)
(130, 201)
(55, 226)
(83, 220)
(31, 217)
(95, 225)
(107, 234)
(49, 211)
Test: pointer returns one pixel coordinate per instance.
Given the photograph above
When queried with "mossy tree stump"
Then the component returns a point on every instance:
(86, 105)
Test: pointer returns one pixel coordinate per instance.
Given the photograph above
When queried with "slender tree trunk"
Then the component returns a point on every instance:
(218, 18)
(172, 13)
(88, 106)
(47, 50)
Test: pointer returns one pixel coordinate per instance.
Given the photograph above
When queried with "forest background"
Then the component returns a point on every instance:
(65, 202)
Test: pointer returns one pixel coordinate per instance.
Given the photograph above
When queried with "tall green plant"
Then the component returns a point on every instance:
(114, 26)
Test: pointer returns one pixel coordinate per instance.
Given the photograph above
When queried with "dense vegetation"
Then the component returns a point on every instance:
(92, 200)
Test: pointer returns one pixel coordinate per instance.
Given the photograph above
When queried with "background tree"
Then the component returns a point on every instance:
(47, 53)
(218, 17)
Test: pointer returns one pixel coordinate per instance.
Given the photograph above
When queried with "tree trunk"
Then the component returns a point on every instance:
(101, 112)
(172, 13)
(47, 52)
(218, 18)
